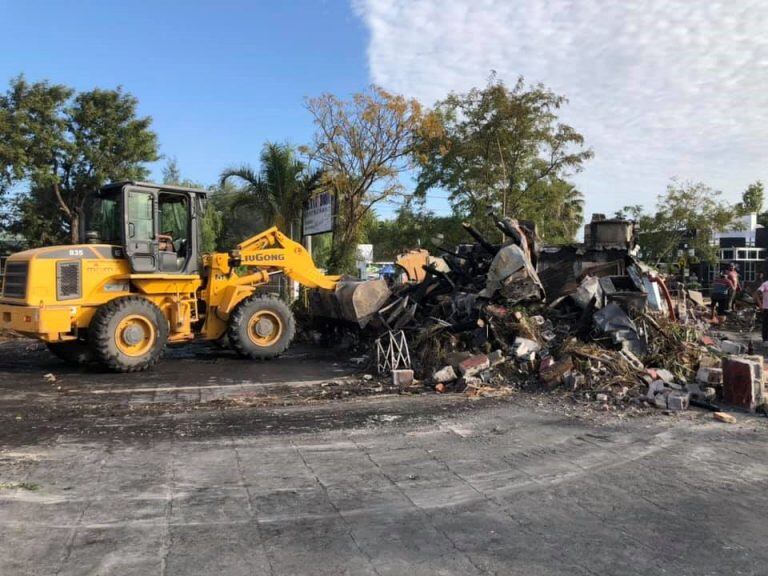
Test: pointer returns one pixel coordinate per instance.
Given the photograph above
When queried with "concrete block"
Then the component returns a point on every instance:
(741, 382)
(660, 400)
(574, 380)
(678, 400)
(523, 348)
(709, 375)
(474, 365)
(496, 357)
(761, 373)
(728, 347)
(445, 374)
(402, 377)
(656, 387)
(664, 374)
(699, 391)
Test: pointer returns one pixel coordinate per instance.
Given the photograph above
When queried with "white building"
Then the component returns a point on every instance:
(745, 244)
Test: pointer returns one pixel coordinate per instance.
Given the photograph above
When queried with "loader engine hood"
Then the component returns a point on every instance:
(55, 275)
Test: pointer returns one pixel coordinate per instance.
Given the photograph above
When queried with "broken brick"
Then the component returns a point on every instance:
(474, 365)
(553, 374)
(723, 417)
(742, 386)
(402, 377)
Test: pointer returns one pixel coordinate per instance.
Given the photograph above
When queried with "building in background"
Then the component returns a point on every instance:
(746, 245)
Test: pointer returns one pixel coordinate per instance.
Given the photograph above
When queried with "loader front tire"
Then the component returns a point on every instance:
(261, 328)
(128, 334)
(75, 352)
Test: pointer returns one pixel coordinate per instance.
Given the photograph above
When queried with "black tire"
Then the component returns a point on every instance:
(131, 348)
(75, 352)
(261, 328)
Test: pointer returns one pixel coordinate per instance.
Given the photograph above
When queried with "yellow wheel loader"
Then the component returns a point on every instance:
(139, 281)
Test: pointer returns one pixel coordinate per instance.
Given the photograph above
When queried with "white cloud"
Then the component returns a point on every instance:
(659, 88)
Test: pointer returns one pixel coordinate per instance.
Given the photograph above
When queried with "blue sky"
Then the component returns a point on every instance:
(218, 78)
(659, 89)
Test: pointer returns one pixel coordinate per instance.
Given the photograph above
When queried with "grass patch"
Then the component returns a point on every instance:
(19, 485)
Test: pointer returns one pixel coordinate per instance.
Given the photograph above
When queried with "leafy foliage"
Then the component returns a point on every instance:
(279, 190)
(752, 198)
(688, 213)
(413, 227)
(363, 145)
(505, 149)
(211, 224)
(64, 146)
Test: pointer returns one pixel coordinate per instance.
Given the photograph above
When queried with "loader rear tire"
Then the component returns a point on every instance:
(261, 328)
(128, 334)
(75, 352)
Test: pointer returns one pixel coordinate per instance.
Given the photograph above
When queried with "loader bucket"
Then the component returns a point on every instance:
(354, 301)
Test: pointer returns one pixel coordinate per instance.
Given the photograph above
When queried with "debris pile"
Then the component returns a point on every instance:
(590, 319)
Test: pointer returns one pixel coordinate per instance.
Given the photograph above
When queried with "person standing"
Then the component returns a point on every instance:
(720, 293)
(733, 276)
(761, 301)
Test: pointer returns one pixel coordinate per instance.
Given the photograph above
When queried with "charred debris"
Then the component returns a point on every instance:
(587, 319)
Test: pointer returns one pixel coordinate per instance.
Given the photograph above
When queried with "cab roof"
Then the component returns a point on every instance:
(119, 185)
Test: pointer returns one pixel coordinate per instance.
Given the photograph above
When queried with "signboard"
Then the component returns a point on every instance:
(318, 215)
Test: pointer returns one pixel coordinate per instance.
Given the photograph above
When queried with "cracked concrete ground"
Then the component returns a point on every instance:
(381, 485)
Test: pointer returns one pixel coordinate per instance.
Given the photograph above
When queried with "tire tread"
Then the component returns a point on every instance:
(240, 316)
(101, 338)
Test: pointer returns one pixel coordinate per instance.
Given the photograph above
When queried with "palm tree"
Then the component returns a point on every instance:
(279, 189)
(571, 211)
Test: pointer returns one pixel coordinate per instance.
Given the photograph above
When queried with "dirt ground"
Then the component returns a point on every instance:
(299, 466)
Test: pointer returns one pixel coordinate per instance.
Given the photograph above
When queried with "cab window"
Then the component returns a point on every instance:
(103, 220)
(174, 219)
(140, 217)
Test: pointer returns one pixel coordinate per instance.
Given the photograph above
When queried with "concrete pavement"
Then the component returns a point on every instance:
(381, 485)
(497, 490)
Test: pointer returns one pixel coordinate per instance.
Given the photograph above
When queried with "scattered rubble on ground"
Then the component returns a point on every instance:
(590, 321)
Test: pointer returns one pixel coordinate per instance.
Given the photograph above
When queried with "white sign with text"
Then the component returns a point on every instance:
(318, 215)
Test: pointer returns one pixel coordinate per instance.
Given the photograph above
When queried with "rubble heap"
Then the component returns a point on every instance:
(590, 319)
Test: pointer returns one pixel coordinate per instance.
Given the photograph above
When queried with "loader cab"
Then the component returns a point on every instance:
(156, 227)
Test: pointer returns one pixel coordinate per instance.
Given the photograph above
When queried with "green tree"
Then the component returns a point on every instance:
(280, 188)
(505, 148)
(211, 224)
(752, 198)
(363, 145)
(688, 213)
(414, 227)
(65, 145)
